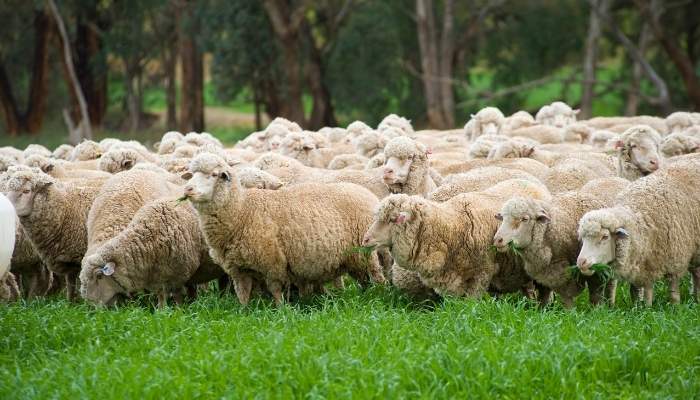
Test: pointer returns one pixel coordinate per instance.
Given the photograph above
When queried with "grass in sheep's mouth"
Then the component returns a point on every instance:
(181, 199)
(364, 250)
(604, 271)
(512, 248)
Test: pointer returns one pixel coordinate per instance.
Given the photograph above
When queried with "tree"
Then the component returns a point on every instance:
(31, 119)
(591, 56)
(191, 61)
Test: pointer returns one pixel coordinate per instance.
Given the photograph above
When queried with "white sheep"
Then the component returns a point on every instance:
(487, 121)
(638, 152)
(677, 144)
(7, 234)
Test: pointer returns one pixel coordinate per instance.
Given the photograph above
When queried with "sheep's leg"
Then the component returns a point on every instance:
(338, 283)
(191, 292)
(611, 291)
(224, 283)
(275, 287)
(636, 293)
(162, 299)
(544, 294)
(649, 294)
(674, 289)
(695, 272)
(529, 290)
(177, 296)
(71, 287)
(243, 285)
(375, 269)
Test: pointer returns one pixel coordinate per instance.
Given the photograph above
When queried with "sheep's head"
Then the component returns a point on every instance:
(489, 120)
(519, 217)
(395, 121)
(6, 162)
(24, 186)
(577, 133)
(401, 154)
(511, 149)
(357, 128)
(677, 144)
(562, 115)
(63, 152)
(46, 165)
(297, 144)
(545, 115)
(97, 281)
(254, 178)
(208, 175)
(290, 125)
(369, 143)
(640, 146)
(679, 121)
(87, 150)
(392, 211)
(119, 159)
(604, 234)
(33, 149)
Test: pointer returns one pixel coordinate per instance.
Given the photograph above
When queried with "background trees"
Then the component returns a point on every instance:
(164, 63)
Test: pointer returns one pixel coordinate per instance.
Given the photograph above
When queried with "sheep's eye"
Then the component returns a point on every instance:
(525, 218)
(215, 175)
(26, 191)
(499, 217)
(633, 146)
(605, 237)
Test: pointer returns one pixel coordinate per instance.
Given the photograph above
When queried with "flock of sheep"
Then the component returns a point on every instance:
(537, 205)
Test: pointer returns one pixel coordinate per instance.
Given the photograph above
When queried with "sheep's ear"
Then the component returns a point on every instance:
(225, 176)
(187, 175)
(48, 168)
(576, 111)
(127, 164)
(527, 152)
(621, 233)
(542, 217)
(108, 269)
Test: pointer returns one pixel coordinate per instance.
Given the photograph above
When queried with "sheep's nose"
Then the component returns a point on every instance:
(498, 241)
(582, 262)
(388, 171)
(189, 190)
(654, 164)
(366, 239)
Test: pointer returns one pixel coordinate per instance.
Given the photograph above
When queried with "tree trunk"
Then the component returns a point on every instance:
(446, 61)
(30, 121)
(286, 24)
(591, 57)
(680, 59)
(89, 62)
(427, 43)
(85, 130)
(632, 105)
(170, 65)
(192, 99)
(322, 113)
(134, 106)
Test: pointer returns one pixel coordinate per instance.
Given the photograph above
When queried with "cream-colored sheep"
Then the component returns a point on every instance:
(446, 244)
(577, 133)
(122, 158)
(36, 149)
(572, 174)
(544, 232)
(348, 161)
(677, 144)
(159, 251)
(652, 232)
(520, 119)
(53, 215)
(369, 143)
(57, 168)
(300, 235)
(63, 152)
(169, 142)
(638, 152)
(605, 189)
(87, 150)
(407, 168)
(545, 115)
(395, 121)
(483, 144)
(530, 166)
(255, 178)
(606, 123)
(487, 121)
(679, 121)
(476, 180)
(540, 133)
(562, 114)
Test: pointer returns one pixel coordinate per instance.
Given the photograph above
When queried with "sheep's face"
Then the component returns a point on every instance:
(201, 186)
(561, 120)
(643, 153)
(517, 228)
(98, 284)
(598, 248)
(274, 143)
(490, 128)
(378, 234)
(24, 195)
(503, 150)
(396, 170)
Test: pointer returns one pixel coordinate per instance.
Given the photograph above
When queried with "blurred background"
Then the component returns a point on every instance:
(141, 67)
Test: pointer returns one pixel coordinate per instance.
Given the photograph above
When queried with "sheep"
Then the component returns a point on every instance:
(42, 204)
(535, 168)
(487, 121)
(7, 234)
(395, 121)
(348, 161)
(638, 152)
(572, 174)
(545, 234)
(160, 251)
(122, 159)
(407, 168)
(376, 161)
(357, 128)
(520, 119)
(301, 235)
(677, 144)
(606, 123)
(34, 278)
(63, 152)
(483, 144)
(201, 139)
(86, 150)
(118, 201)
(446, 244)
(679, 121)
(10, 153)
(648, 235)
(605, 189)
(476, 180)
(255, 178)
(9, 291)
(601, 138)
(562, 114)
(543, 134)
(58, 169)
(290, 125)
(523, 148)
(577, 133)
(169, 142)
(36, 149)
(545, 115)
(369, 144)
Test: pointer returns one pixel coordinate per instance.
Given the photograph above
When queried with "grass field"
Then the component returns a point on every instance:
(354, 344)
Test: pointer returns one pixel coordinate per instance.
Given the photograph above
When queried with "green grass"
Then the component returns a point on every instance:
(371, 344)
